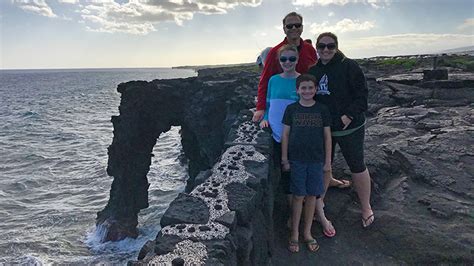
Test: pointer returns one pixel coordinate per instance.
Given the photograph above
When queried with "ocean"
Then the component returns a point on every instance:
(54, 132)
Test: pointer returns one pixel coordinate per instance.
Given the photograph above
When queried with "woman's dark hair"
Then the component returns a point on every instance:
(332, 36)
(328, 34)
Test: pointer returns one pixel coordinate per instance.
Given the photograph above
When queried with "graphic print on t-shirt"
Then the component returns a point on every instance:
(323, 86)
(308, 120)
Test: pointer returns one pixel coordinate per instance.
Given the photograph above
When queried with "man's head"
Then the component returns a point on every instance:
(293, 26)
(306, 86)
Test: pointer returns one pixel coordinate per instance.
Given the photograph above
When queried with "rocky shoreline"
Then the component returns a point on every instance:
(418, 148)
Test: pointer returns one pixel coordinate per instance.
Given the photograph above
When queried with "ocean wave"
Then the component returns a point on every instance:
(53, 158)
(30, 114)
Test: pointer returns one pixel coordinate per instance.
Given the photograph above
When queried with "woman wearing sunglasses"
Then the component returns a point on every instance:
(343, 88)
(281, 93)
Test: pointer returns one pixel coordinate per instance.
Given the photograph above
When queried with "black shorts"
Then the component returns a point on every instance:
(284, 175)
(352, 148)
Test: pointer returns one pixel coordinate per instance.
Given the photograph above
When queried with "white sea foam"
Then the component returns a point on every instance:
(54, 132)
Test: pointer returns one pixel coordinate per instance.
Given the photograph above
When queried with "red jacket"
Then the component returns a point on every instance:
(307, 58)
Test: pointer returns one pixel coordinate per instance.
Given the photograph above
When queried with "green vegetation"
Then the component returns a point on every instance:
(406, 63)
(463, 62)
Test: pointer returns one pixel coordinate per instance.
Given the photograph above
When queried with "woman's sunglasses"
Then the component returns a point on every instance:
(330, 46)
(291, 59)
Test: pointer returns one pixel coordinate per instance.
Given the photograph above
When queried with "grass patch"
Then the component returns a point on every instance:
(466, 62)
(405, 63)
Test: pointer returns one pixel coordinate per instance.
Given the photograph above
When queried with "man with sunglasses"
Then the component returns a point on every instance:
(293, 27)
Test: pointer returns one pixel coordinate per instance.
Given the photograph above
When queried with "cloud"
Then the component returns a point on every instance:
(468, 24)
(136, 16)
(373, 3)
(409, 43)
(345, 25)
(35, 6)
(68, 1)
(141, 16)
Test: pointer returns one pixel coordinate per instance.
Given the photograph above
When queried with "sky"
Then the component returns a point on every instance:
(38, 34)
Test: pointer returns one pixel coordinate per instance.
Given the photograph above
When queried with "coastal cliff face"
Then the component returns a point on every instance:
(418, 149)
(205, 108)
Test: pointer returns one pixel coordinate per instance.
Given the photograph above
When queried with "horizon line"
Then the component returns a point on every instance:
(229, 64)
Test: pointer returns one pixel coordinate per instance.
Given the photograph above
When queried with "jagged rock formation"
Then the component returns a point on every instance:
(226, 219)
(205, 108)
(418, 148)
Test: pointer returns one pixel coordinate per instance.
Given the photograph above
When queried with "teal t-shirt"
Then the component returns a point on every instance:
(280, 93)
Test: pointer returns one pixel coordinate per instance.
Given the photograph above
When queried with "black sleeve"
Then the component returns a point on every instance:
(326, 116)
(287, 116)
(359, 90)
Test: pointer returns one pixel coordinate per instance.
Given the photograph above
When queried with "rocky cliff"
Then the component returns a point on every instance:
(418, 148)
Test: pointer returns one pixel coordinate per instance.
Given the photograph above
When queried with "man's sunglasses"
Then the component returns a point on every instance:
(296, 25)
(330, 46)
(291, 59)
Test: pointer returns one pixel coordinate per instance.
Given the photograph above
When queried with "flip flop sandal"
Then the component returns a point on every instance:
(293, 246)
(365, 221)
(312, 245)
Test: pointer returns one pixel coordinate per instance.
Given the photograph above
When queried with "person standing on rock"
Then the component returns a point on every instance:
(343, 88)
(281, 92)
(306, 151)
(293, 28)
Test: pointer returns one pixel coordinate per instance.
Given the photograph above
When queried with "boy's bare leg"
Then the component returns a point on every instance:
(309, 205)
(362, 187)
(296, 210)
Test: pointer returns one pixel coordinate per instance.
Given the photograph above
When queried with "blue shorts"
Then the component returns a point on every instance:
(306, 178)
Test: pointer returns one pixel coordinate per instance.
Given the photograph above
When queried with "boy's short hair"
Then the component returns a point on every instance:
(305, 77)
(288, 47)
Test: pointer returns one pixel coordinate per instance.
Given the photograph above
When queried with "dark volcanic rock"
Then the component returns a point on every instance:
(205, 112)
(166, 243)
(229, 219)
(435, 74)
(418, 150)
(241, 199)
(186, 209)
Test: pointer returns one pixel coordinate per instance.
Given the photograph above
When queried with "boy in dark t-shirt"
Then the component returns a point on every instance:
(306, 141)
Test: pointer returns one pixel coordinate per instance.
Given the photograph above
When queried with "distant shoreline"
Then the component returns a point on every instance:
(470, 52)
(199, 67)
(111, 69)
(378, 57)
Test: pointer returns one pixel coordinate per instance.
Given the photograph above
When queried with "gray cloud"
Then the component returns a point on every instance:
(39, 7)
(140, 16)
(373, 3)
(345, 25)
(135, 16)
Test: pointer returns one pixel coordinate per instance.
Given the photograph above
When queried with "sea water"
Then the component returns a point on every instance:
(54, 132)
